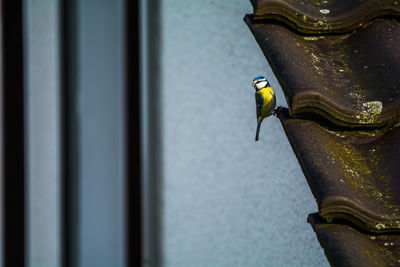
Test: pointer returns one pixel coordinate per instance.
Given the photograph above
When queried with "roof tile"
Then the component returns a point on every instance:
(341, 77)
(324, 16)
(347, 246)
(353, 174)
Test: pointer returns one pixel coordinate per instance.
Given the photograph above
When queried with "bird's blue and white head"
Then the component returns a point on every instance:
(260, 82)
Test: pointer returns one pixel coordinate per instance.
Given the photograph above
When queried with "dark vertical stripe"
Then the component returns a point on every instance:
(13, 135)
(68, 37)
(154, 132)
(133, 140)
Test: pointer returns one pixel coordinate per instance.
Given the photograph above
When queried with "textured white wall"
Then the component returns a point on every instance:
(227, 201)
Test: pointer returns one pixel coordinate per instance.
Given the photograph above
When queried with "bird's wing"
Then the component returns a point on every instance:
(259, 104)
(273, 95)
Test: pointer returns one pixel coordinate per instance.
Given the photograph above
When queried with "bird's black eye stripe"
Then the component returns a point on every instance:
(261, 81)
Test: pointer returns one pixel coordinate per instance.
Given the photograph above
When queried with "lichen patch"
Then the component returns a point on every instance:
(324, 11)
(370, 110)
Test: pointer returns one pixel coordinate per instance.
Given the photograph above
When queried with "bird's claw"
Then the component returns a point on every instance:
(275, 112)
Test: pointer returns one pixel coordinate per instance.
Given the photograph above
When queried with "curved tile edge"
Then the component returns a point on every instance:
(306, 22)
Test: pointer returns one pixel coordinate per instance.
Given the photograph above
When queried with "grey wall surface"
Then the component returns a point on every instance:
(227, 200)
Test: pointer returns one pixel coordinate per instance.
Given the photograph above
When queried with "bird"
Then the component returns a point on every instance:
(265, 101)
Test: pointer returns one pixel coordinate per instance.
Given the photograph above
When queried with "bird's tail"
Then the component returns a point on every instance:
(258, 129)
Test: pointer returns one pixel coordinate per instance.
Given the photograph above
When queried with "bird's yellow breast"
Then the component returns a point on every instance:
(266, 93)
(268, 103)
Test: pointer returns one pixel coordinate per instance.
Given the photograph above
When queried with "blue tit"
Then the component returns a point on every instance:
(265, 100)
